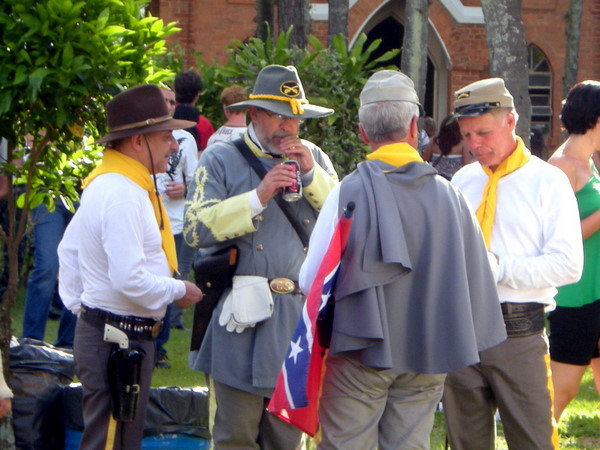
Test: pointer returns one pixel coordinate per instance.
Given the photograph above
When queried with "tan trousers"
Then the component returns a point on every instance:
(514, 378)
(362, 408)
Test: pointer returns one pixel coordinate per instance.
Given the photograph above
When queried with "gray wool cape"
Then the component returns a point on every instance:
(415, 293)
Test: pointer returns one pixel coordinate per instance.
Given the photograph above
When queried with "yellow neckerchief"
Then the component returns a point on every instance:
(116, 162)
(487, 208)
(396, 154)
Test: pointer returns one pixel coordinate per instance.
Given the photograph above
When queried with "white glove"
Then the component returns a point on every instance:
(226, 317)
(249, 302)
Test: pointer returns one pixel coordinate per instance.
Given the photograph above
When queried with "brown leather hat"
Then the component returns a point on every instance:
(278, 89)
(139, 110)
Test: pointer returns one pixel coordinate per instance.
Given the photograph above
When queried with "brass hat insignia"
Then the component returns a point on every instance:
(290, 89)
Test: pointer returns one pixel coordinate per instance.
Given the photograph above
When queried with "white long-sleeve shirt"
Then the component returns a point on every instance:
(536, 233)
(111, 254)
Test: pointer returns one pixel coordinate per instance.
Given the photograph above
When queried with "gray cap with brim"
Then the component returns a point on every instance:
(482, 97)
(389, 86)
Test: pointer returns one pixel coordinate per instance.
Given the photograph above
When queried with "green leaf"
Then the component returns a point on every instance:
(35, 81)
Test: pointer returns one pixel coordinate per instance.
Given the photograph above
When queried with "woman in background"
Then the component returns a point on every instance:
(575, 323)
(447, 152)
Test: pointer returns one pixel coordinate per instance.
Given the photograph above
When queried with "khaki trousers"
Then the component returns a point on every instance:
(514, 378)
(362, 408)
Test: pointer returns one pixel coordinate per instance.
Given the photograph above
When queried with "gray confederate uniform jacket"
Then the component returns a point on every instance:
(218, 212)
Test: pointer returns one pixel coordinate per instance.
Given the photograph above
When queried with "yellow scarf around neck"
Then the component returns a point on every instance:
(116, 162)
(487, 208)
(396, 154)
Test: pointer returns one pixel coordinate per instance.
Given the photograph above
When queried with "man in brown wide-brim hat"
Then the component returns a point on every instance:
(117, 260)
(230, 204)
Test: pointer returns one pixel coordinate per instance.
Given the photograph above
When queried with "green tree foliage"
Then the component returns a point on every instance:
(61, 60)
(332, 77)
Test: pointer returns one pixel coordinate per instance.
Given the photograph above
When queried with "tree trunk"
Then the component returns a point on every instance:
(338, 20)
(264, 19)
(295, 13)
(572, 32)
(508, 55)
(414, 46)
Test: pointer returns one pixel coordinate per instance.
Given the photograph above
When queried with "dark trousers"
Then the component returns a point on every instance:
(91, 359)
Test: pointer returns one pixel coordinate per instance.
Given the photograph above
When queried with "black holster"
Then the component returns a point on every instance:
(124, 369)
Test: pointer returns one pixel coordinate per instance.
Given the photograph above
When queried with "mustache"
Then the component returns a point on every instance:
(282, 134)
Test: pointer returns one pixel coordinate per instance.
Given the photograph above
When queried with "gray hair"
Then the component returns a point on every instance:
(501, 113)
(387, 121)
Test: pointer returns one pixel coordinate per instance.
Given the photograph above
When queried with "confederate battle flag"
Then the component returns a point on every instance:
(296, 395)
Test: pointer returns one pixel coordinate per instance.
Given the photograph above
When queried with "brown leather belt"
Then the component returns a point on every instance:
(523, 319)
(133, 326)
(282, 285)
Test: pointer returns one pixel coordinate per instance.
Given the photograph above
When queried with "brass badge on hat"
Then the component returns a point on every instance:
(463, 95)
(290, 89)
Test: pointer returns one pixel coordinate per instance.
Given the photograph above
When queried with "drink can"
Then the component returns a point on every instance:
(293, 192)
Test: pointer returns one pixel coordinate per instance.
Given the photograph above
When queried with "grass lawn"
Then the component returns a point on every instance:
(579, 427)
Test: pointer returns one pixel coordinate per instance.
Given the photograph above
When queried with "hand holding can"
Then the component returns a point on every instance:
(293, 192)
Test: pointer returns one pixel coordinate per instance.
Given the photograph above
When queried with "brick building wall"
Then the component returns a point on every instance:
(209, 26)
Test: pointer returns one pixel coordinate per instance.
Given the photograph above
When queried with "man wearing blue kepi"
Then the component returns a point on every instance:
(530, 221)
(414, 297)
(229, 203)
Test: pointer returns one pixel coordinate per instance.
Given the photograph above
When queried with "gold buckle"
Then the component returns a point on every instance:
(282, 285)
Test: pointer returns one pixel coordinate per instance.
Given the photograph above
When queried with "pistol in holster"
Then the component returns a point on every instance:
(124, 371)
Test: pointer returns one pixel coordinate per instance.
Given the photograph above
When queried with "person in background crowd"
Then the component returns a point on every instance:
(48, 230)
(575, 323)
(528, 215)
(117, 260)
(6, 394)
(447, 152)
(538, 146)
(412, 296)
(173, 186)
(230, 204)
(426, 126)
(188, 85)
(235, 126)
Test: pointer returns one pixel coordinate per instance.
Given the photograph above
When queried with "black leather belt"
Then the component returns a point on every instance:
(133, 326)
(523, 319)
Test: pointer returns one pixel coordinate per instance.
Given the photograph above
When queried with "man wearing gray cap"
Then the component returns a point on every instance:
(413, 289)
(530, 222)
(229, 203)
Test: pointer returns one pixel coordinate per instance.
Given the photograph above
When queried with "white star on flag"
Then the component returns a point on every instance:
(296, 349)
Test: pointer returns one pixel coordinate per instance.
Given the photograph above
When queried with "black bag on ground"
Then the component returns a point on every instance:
(39, 374)
(213, 273)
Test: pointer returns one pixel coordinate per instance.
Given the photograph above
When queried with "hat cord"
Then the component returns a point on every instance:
(295, 103)
(161, 226)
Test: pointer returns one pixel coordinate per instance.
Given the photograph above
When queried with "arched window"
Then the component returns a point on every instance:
(540, 89)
